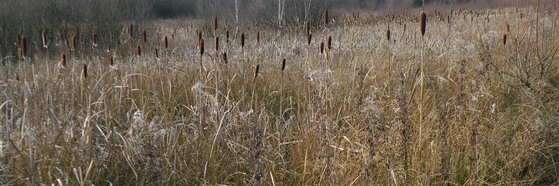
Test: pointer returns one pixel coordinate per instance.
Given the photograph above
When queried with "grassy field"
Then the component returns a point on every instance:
(475, 101)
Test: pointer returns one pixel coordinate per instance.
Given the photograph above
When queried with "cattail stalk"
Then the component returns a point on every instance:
(201, 47)
(307, 28)
(321, 47)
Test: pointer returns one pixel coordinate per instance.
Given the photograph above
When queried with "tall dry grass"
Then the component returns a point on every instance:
(447, 104)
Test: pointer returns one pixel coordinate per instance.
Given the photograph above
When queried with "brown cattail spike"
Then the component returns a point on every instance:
(81, 38)
(63, 60)
(23, 47)
(214, 23)
(256, 71)
(216, 43)
(85, 71)
(131, 30)
(144, 36)
(325, 18)
(309, 39)
(422, 22)
(307, 28)
(111, 61)
(505, 39)
(139, 50)
(242, 39)
(388, 33)
(166, 42)
(201, 47)
(329, 42)
(73, 43)
(283, 64)
(258, 36)
(44, 38)
(227, 36)
(94, 40)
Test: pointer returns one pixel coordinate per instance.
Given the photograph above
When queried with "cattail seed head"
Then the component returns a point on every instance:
(227, 36)
(242, 39)
(201, 47)
(258, 36)
(422, 22)
(94, 40)
(144, 36)
(283, 64)
(81, 38)
(325, 18)
(44, 38)
(131, 30)
(139, 50)
(214, 23)
(84, 71)
(504, 39)
(63, 60)
(507, 27)
(329, 42)
(216, 43)
(256, 71)
(388, 33)
(23, 47)
(199, 33)
(166, 42)
(309, 39)
(111, 61)
(307, 28)
(73, 43)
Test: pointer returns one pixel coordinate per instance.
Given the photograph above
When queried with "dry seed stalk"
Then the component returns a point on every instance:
(242, 39)
(388, 33)
(84, 71)
(166, 42)
(139, 50)
(283, 64)
(256, 71)
(422, 22)
(307, 28)
(144, 36)
(63, 60)
(201, 47)
(325, 18)
(73, 43)
(329, 42)
(216, 43)
(214, 23)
